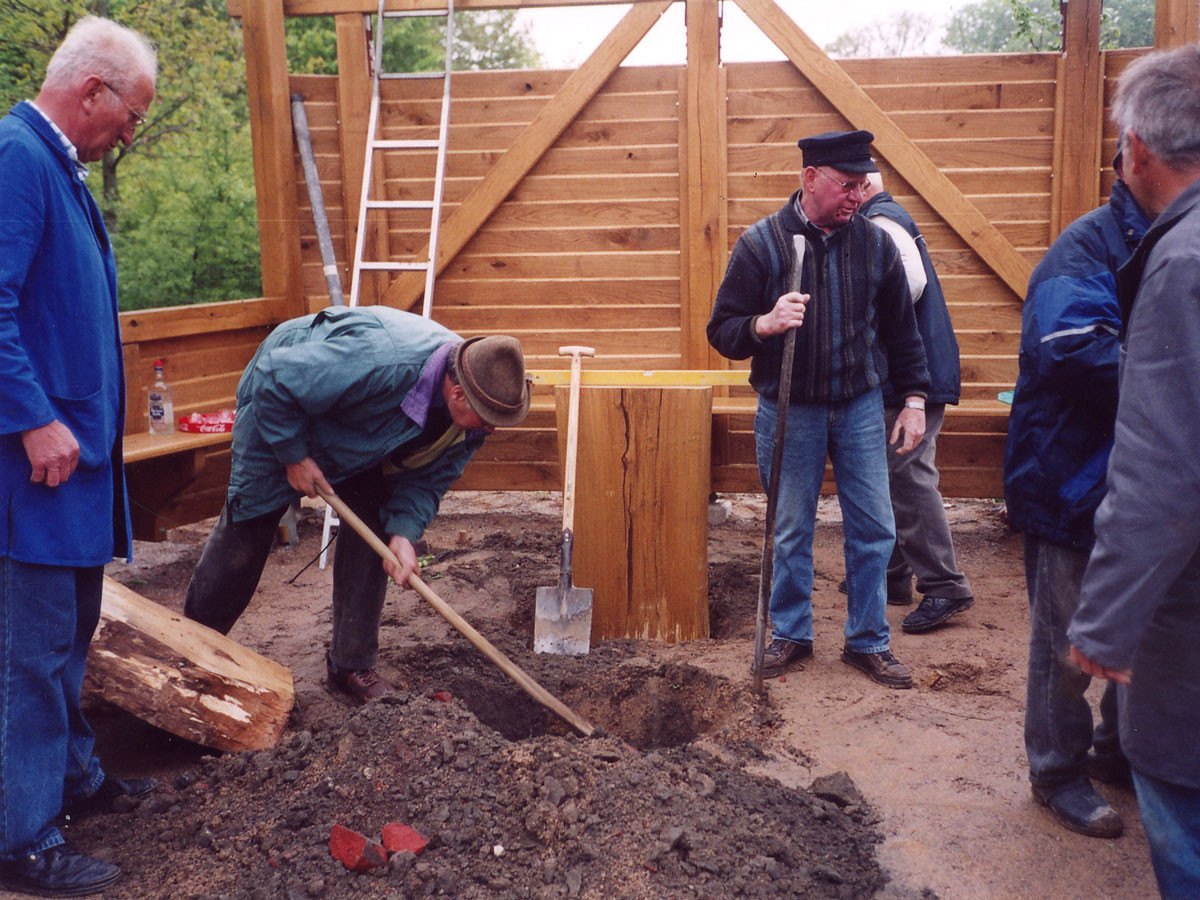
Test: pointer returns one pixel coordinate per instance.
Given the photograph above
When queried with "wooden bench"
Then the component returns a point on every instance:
(164, 472)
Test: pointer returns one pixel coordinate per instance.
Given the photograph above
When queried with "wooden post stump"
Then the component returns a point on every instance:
(641, 509)
(185, 678)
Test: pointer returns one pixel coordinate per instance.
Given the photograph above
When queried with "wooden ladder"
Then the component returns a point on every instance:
(375, 143)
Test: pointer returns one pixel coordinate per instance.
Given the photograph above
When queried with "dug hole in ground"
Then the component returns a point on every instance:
(698, 787)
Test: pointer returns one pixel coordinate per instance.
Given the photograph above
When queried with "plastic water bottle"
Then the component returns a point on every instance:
(162, 409)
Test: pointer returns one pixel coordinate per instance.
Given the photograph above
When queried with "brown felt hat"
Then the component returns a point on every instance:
(491, 371)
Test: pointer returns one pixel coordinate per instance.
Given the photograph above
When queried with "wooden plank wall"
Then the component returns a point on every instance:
(587, 248)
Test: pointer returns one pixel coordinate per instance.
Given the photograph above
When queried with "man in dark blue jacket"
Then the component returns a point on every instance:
(62, 409)
(923, 542)
(1059, 437)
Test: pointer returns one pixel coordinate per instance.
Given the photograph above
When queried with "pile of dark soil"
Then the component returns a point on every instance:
(514, 807)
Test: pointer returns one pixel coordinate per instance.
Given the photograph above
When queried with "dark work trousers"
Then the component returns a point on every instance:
(231, 565)
(923, 542)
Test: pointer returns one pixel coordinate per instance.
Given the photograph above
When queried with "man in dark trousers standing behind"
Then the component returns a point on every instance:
(923, 542)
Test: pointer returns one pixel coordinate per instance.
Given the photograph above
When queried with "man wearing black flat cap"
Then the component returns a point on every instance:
(381, 406)
(851, 295)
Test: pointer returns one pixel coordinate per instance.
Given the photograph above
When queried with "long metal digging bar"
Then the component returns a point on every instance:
(447, 612)
(781, 414)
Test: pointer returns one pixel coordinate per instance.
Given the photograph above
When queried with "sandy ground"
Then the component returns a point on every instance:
(942, 765)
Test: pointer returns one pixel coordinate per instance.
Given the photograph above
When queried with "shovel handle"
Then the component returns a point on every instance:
(576, 354)
(447, 612)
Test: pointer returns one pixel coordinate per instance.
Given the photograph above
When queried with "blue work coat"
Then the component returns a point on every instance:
(60, 353)
(1060, 432)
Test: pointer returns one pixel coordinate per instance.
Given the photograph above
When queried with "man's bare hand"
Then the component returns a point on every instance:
(53, 453)
(306, 476)
(910, 425)
(407, 554)
(1093, 668)
(787, 313)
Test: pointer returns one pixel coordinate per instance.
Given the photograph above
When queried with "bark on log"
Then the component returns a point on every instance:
(183, 677)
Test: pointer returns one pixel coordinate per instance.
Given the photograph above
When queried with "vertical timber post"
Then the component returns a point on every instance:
(641, 509)
(1176, 22)
(704, 220)
(1079, 114)
(274, 162)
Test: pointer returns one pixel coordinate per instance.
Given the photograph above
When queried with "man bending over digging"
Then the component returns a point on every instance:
(380, 406)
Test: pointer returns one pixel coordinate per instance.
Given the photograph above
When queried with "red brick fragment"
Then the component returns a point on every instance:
(444, 696)
(355, 852)
(397, 837)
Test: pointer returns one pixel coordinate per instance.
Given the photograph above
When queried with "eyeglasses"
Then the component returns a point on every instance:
(138, 119)
(848, 187)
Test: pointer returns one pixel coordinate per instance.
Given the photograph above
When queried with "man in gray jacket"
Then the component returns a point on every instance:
(1138, 621)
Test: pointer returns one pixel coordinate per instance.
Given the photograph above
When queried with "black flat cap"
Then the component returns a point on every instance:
(847, 151)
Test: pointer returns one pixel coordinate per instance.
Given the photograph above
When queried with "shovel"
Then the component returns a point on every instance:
(563, 615)
(510, 668)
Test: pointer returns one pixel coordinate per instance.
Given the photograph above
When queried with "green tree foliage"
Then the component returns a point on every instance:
(484, 39)
(180, 200)
(1024, 26)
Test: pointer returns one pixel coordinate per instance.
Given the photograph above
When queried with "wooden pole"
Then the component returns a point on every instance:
(641, 535)
(1079, 117)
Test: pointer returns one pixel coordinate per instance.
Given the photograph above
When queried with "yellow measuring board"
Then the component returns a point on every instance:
(638, 377)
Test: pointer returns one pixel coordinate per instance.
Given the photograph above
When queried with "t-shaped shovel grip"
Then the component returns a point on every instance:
(576, 354)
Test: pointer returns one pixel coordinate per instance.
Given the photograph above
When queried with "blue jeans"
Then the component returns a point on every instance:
(1171, 817)
(47, 617)
(852, 435)
(1058, 718)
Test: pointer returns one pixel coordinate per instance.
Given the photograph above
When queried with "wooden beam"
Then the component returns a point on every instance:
(1176, 22)
(354, 107)
(645, 378)
(703, 216)
(184, 678)
(200, 318)
(527, 149)
(339, 7)
(1079, 117)
(274, 167)
(909, 160)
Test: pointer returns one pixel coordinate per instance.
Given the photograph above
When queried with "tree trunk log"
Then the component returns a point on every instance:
(183, 677)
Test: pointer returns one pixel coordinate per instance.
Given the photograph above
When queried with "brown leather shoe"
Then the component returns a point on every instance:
(781, 655)
(882, 667)
(359, 684)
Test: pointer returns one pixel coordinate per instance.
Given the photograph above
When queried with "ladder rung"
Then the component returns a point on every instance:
(414, 13)
(399, 204)
(415, 144)
(412, 76)
(394, 266)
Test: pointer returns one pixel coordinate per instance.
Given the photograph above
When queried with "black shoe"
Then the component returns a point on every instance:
(57, 872)
(108, 796)
(932, 612)
(359, 684)
(898, 597)
(882, 667)
(782, 655)
(1079, 808)
(1109, 768)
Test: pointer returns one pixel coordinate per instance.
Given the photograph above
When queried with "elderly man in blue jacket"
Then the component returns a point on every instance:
(1060, 434)
(385, 408)
(62, 488)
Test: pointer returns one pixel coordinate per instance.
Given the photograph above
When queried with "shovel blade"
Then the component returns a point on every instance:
(563, 620)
